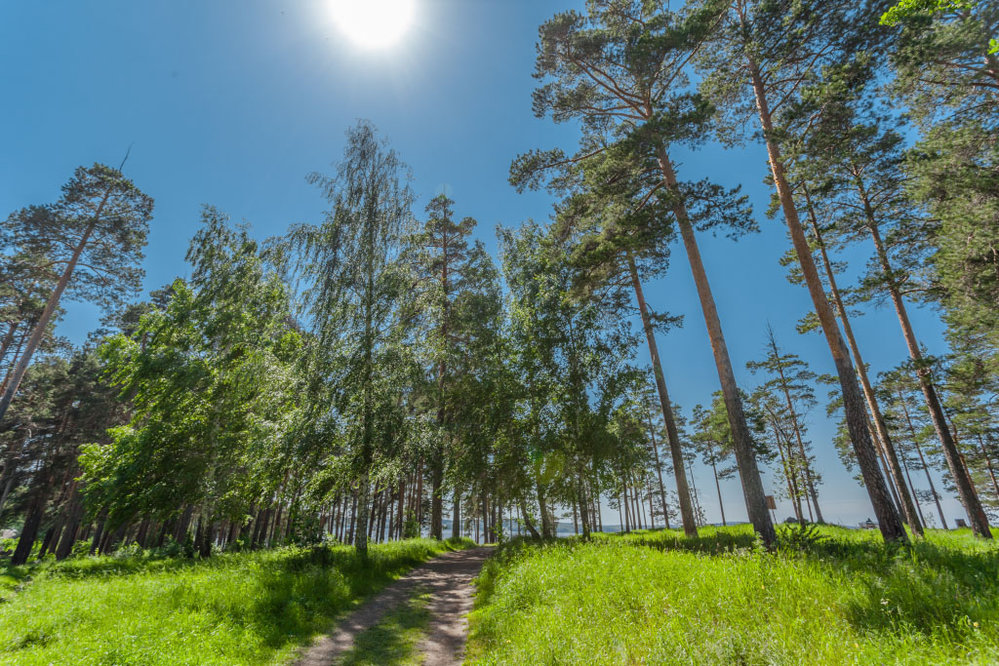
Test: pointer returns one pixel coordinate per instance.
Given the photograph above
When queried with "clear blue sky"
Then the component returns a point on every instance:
(233, 102)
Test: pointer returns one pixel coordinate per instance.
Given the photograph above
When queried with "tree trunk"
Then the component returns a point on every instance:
(721, 505)
(95, 543)
(528, 523)
(50, 306)
(436, 500)
(546, 526)
(659, 474)
(908, 479)
(697, 500)
(793, 413)
(363, 509)
(889, 455)
(988, 465)
(969, 496)
(29, 531)
(74, 515)
(792, 487)
(742, 443)
(889, 522)
(456, 515)
(672, 436)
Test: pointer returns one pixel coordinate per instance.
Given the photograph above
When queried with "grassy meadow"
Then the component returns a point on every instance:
(835, 596)
(239, 608)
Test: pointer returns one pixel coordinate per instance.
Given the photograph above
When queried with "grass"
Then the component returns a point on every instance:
(393, 641)
(657, 598)
(240, 608)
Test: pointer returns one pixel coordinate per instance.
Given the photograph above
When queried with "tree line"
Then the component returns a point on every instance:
(359, 378)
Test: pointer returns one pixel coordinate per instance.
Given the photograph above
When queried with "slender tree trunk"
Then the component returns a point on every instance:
(652, 508)
(50, 307)
(436, 500)
(889, 455)
(353, 519)
(988, 465)
(627, 500)
(98, 533)
(792, 488)
(29, 531)
(419, 496)
(742, 443)
(672, 436)
(793, 413)
(456, 515)
(659, 472)
(966, 490)
(620, 515)
(546, 526)
(721, 504)
(908, 479)
(889, 522)
(527, 520)
(74, 513)
(8, 339)
(697, 500)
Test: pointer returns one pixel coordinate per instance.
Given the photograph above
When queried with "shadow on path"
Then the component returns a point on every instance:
(448, 581)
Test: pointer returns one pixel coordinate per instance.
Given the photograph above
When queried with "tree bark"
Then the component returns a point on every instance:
(793, 413)
(721, 504)
(969, 496)
(29, 531)
(742, 443)
(436, 500)
(792, 486)
(672, 436)
(74, 515)
(988, 465)
(456, 516)
(659, 473)
(889, 521)
(889, 455)
(50, 306)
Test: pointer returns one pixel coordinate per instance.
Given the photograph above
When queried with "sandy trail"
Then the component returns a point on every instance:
(448, 580)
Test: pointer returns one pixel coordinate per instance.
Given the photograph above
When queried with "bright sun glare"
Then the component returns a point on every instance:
(373, 23)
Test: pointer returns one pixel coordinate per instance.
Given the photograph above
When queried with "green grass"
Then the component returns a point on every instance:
(657, 598)
(241, 608)
(393, 641)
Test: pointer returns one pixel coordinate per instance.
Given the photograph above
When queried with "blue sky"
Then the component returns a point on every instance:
(232, 103)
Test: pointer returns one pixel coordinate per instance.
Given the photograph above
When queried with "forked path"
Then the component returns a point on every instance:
(448, 580)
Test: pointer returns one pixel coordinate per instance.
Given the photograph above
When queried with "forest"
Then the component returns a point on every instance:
(378, 376)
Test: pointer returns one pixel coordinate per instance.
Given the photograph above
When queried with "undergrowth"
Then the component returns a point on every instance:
(824, 596)
(239, 608)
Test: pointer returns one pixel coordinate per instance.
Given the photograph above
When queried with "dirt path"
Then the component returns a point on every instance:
(447, 578)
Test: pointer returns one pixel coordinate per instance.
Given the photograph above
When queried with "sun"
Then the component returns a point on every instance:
(373, 24)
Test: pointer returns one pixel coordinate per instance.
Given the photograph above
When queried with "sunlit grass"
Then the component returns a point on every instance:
(245, 608)
(656, 597)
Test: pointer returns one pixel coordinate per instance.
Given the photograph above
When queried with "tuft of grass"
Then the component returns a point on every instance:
(393, 641)
(838, 597)
(239, 608)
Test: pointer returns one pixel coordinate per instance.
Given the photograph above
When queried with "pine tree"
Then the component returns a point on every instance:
(621, 70)
(761, 55)
(791, 381)
(95, 233)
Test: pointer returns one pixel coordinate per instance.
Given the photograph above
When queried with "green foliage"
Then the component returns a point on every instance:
(908, 9)
(247, 608)
(211, 379)
(799, 537)
(658, 598)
